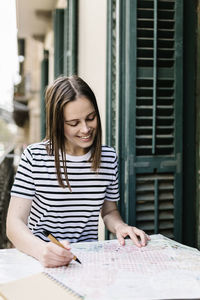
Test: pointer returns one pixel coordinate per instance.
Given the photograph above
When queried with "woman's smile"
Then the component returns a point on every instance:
(80, 125)
(86, 137)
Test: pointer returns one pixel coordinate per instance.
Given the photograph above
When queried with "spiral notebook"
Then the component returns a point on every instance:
(39, 286)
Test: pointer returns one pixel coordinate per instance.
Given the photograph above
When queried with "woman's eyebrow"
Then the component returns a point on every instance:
(71, 120)
(93, 112)
(78, 119)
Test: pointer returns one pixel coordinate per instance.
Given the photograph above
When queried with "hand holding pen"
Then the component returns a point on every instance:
(62, 257)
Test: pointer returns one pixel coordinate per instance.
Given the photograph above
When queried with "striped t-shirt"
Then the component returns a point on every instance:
(69, 216)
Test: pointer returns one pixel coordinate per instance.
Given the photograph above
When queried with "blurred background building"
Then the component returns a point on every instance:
(141, 58)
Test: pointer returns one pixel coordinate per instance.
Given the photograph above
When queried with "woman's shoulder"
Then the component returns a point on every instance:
(108, 151)
(107, 148)
(37, 148)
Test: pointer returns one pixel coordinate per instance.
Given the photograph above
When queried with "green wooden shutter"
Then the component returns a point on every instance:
(66, 39)
(58, 20)
(147, 51)
(71, 37)
(44, 83)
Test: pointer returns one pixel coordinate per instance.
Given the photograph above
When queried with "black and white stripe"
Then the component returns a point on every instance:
(72, 216)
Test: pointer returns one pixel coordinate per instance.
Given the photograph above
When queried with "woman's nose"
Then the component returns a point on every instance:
(85, 128)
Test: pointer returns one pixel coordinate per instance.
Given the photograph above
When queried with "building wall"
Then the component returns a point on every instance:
(91, 60)
(92, 56)
(34, 51)
(48, 45)
(92, 49)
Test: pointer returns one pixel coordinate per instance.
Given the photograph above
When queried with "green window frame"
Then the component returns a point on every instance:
(71, 38)
(58, 21)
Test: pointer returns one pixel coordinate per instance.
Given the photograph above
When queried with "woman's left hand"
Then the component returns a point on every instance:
(138, 236)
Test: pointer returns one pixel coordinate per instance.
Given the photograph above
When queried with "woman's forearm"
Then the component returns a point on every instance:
(113, 220)
(22, 238)
(17, 229)
(111, 216)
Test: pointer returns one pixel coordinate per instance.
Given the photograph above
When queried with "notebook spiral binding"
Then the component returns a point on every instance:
(77, 295)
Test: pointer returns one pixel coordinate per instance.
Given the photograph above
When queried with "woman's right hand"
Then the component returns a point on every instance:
(53, 255)
(49, 254)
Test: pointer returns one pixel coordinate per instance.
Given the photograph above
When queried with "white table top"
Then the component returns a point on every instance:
(15, 264)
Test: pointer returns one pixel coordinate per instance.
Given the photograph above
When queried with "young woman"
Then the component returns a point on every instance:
(65, 181)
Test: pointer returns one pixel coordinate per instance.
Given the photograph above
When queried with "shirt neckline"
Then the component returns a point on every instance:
(86, 156)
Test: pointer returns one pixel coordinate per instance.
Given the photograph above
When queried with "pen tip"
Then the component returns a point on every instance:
(78, 260)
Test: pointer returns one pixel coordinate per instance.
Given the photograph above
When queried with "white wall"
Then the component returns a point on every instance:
(92, 56)
(92, 50)
(49, 45)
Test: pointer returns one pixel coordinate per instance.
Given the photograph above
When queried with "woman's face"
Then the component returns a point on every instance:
(80, 125)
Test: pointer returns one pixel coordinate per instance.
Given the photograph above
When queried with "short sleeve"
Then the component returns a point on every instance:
(112, 191)
(23, 185)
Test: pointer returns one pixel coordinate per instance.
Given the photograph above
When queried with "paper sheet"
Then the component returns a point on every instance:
(163, 269)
